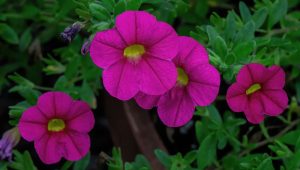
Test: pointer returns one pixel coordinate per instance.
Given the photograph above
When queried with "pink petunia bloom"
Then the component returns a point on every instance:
(258, 91)
(136, 55)
(197, 85)
(58, 126)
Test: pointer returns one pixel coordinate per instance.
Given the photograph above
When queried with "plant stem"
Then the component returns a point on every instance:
(264, 130)
(43, 88)
(271, 139)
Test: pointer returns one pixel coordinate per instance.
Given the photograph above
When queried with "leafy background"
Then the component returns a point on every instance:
(34, 59)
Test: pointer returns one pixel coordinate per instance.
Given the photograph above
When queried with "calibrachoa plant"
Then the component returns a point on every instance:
(190, 64)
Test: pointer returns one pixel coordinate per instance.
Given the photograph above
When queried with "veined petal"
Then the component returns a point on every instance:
(47, 148)
(121, 79)
(275, 78)
(135, 26)
(157, 75)
(146, 101)
(107, 48)
(203, 85)
(254, 109)
(251, 73)
(274, 101)
(236, 97)
(175, 108)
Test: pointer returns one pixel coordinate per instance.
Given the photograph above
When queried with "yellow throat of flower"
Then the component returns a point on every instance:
(134, 51)
(56, 125)
(252, 89)
(182, 78)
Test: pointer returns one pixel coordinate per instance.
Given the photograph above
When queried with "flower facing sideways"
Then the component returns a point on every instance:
(136, 55)
(258, 91)
(9, 140)
(58, 126)
(197, 85)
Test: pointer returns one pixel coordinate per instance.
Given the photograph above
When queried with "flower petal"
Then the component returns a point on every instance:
(32, 124)
(76, 145)
(274, 101)
(78, 108)
(251, 73)
(157, 75)
(175, 108)
(163, 42)
(190, 54)
(48, 149)
(121, 79)
(107, 48)
(146, 101)
(254, 109)
(135, 26)
(82, 119)
(275, 78)
(236, 97)
(204, 83)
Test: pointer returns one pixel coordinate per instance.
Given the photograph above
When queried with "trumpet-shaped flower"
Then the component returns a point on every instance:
(136, 55)
(58, 126)
(197, 85)
(258, 91)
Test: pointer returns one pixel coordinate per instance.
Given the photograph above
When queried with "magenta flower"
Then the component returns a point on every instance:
(257, 91)
(136, 55)
(197, 85)
(58, 126)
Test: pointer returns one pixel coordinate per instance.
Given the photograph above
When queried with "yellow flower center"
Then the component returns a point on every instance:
(182, 78)
(255, 87)
(56, 125)
(134, 51)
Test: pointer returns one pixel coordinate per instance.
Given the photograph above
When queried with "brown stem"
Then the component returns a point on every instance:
(262, 143)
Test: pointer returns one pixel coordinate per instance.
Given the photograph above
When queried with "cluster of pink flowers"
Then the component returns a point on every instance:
(145, 59)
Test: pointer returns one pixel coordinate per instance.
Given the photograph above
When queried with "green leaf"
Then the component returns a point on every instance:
(276, 12)
(119, 8)
(83, 163)
(220, 47)
(207, 151)
(8, 34)
(230, 26)
(88, 95)
(246, 33)
(163, 157)
(22, 161)
(245, 12)
(212, 34)
(259, 17)
(133, 4)
(140, 163)
(243, 50)
(191, 156)
(15, 112)
(116, 163)
(266, 165)
(99, 12)
(25, 40)
(214, 115)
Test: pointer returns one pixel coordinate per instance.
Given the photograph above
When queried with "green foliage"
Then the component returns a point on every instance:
(234, 34)
(22, 161)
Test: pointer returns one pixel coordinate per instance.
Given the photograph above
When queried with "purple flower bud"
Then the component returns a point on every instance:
(71, 31)
(9, 140)
(85, 49)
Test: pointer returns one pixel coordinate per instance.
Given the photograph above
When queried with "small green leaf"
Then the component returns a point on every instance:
(25, 40)
(266, 165)
(8, 34)
(83, 163)
(163, 157)
(207, 151)
(99, 12)
(220, 47)
(22, 161)
(191, 156)
(277, 11)
(259, 17)
(243, 50)
(133, 4)
(245, 12)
